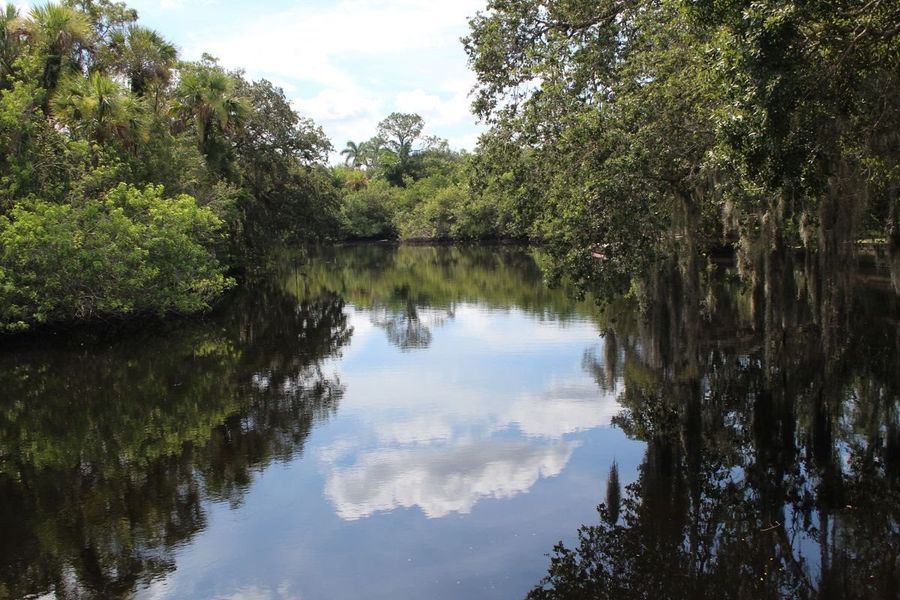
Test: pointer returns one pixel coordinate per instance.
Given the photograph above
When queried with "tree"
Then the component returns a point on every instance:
(91, 100)
(672, 127)
(279, 156)
(206, 97)
(13, 36)
(611, 103)
(352, 153)
(373, 150)
(100, 110)
(815, 106)
(143, 57)
(61, 33)
(134, 252)
(400, 130)
(105, 16)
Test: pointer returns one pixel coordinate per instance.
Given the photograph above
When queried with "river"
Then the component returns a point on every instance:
(429, 422)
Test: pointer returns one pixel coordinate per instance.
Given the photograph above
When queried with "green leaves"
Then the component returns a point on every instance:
(671, 127)
(400, 130)
(134, 252)
(90, 100)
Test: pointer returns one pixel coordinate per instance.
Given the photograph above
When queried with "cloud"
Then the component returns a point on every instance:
(457, 432)
(256, 593)
(454, 414)
(353, 62)
(563, 410)
(437, 110)
(346, 64)
(442, 480)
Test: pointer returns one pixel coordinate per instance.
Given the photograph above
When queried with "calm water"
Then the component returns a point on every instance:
(430, 422)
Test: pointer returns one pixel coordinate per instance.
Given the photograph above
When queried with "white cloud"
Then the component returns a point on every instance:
(478, 324)
(346, 64)
(436, 110)
(361, 59)
(563, 410)
(442, 480)
(446, 437)
(256, 593)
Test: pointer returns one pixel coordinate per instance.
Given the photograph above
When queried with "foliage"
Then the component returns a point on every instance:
(369, 213)
(428, 195)
(399, 131)
(92, 103)
(133, 252)
(651, 129)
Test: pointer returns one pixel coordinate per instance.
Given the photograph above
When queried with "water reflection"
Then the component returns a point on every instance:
(109, 452)
(438, 417)
(441, 480)
(410, 291)
(772, 467)
(116, 453)
(449, 432)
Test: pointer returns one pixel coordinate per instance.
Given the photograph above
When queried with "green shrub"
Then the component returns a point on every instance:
(134, 252)
(369, 213)
(433, 218)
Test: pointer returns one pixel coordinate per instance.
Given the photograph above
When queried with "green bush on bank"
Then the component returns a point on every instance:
(368, 213)
(133, 252)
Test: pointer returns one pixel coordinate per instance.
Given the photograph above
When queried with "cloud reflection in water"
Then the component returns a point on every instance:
(462, 443)
(442, 480)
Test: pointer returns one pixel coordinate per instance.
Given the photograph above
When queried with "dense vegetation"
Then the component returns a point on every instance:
(132, 182)
(135, 183)
(641, 129)
(620, 133)
(401, 184)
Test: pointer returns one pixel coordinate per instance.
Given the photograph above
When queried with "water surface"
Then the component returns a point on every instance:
(430, 422)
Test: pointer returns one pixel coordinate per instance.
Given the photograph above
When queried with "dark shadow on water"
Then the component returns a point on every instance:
(109, 451)
(770, 413)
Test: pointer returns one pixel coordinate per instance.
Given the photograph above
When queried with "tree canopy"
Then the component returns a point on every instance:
(674, 126)
(98, 116)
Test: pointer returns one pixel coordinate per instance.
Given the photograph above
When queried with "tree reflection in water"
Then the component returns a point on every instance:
(772, 468)
(108, 453)
(411, 290)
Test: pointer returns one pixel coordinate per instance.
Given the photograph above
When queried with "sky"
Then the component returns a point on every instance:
(346, 64)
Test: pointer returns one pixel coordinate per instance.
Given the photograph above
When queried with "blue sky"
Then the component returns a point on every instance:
(345, 63)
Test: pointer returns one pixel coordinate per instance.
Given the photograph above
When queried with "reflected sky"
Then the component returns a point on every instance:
(370, 418)
(483, 413)
(421, 422)
(448, 471)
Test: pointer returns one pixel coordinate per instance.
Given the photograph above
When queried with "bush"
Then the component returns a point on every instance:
(369, 212)
(432, 218)
(134, 252)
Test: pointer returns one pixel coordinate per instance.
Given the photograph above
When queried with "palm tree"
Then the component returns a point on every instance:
(62, 32)
(353, 153)
(99, 109)
(372, 152)
(144, 57)
(206, 95)
(12, 32)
